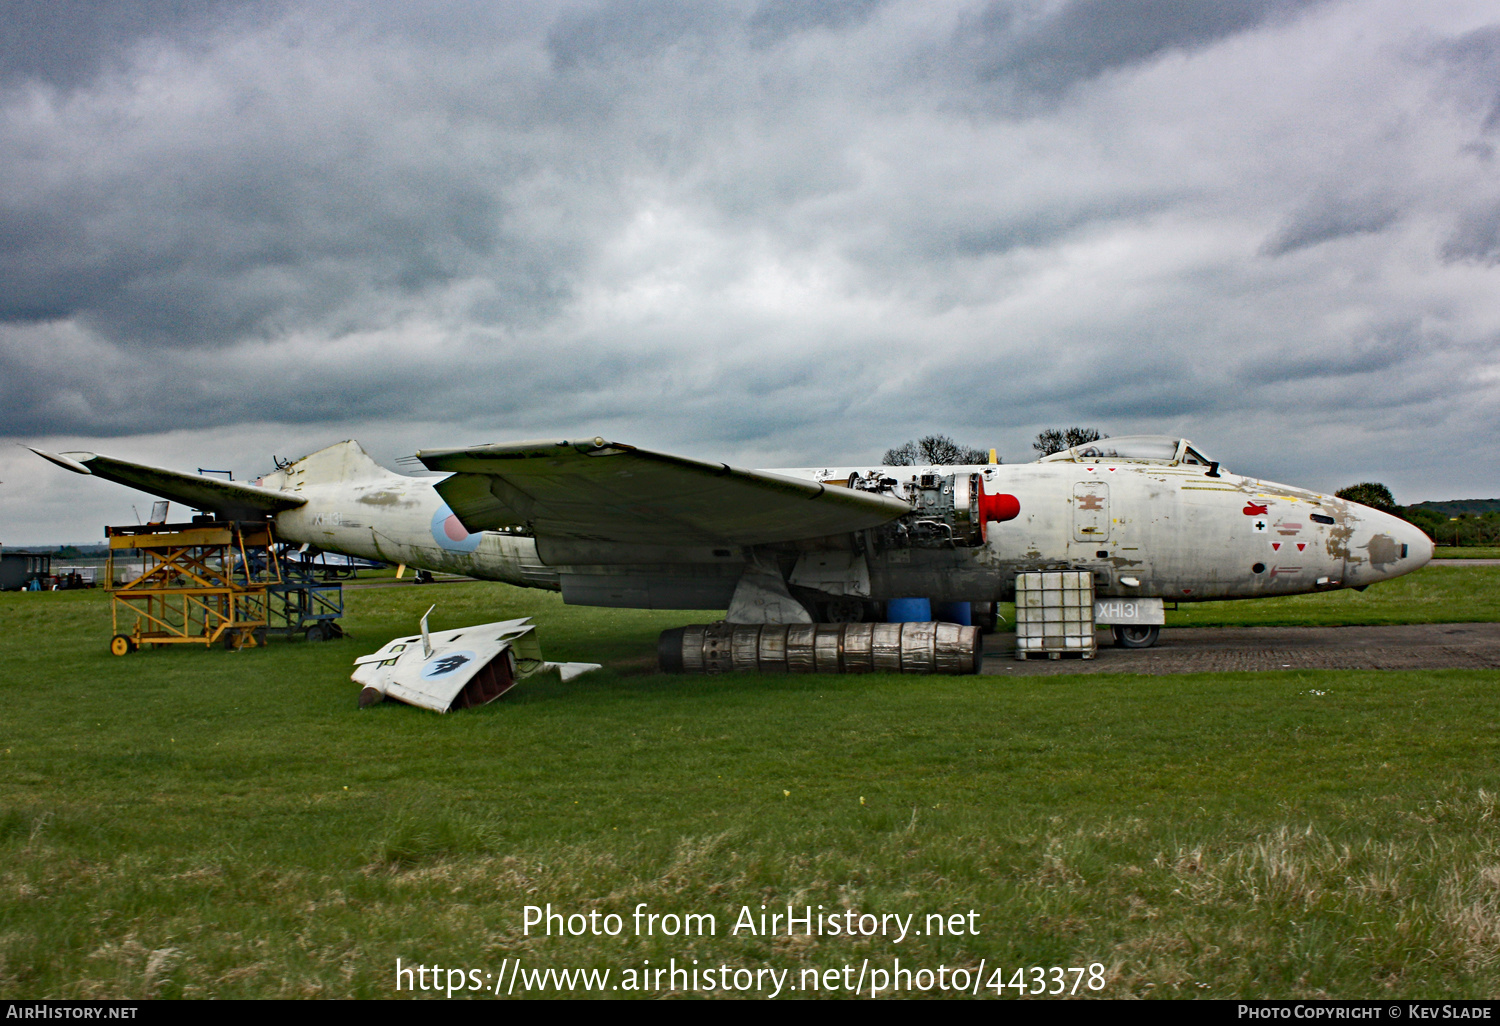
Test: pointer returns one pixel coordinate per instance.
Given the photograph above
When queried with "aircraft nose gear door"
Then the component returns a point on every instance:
(1091, 511)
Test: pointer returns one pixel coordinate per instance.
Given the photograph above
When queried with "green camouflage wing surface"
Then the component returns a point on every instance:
(610, 492)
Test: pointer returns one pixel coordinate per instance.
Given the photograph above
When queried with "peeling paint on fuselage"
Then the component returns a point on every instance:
(1171, 532)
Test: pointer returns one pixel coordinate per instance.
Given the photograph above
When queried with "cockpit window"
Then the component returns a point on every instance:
(1132, 448)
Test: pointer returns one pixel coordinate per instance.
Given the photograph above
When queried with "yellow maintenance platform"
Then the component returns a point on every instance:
(201, 584)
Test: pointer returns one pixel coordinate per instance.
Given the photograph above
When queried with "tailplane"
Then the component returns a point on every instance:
(229, 500)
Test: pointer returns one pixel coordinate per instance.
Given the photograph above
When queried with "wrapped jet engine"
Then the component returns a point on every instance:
(821, 648)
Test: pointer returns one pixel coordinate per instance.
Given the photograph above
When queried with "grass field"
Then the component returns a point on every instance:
(1435, 594)
(206, 823)
(1467, 552)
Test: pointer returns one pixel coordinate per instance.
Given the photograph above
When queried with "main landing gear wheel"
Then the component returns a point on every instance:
(844, 610)
(120, 645)
(1135, 636)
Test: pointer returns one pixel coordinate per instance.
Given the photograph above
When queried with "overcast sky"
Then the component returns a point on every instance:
(773, 232)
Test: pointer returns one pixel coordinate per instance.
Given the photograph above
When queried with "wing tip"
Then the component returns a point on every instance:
(64, 460)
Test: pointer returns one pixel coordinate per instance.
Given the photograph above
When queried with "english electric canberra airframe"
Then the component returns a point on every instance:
(608, 524)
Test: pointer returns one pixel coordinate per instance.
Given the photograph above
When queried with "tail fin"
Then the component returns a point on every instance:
(342, 461)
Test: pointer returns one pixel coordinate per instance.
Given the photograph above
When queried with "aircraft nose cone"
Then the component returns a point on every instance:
(1384, 546)
(1419, 547)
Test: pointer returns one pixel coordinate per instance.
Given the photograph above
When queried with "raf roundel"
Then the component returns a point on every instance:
(450, 534)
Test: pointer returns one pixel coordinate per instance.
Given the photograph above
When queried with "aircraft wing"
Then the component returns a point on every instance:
(608, 491)
(229, 499)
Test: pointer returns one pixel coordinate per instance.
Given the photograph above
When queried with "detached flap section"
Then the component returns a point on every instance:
(607, 491)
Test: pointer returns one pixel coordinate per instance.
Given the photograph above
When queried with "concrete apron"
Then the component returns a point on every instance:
(1436, 646)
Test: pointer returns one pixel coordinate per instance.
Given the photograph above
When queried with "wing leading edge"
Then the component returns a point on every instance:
(608, 491)
(228, 499)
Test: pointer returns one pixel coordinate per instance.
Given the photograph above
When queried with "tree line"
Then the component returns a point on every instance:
(1464, 529)
(942, 451)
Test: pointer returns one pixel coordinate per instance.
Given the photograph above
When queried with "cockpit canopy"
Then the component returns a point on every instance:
(1133, 449)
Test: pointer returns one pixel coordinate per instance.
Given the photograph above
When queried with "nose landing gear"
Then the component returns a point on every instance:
(1136, 636)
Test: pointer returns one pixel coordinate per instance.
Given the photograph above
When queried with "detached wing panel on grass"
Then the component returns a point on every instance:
(607, 491)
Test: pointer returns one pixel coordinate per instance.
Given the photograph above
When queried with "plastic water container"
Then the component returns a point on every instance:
(953, 612)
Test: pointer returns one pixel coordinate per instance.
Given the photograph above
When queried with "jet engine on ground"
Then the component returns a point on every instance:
(821, 648)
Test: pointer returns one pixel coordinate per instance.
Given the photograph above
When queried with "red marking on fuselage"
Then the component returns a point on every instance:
(1253, 509)
(455, 530)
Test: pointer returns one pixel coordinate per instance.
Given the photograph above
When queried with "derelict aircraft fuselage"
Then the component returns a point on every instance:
(611, 525)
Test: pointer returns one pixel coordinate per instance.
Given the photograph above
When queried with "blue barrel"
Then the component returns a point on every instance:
(953, 612)
(908, 610)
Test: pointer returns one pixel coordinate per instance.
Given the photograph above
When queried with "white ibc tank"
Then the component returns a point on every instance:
(1055, 614)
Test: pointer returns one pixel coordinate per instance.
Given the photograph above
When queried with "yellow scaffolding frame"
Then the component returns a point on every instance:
(201, 584)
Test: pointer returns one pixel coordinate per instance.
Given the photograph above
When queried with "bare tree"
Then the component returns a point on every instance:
(934, 451)
(1053, 440)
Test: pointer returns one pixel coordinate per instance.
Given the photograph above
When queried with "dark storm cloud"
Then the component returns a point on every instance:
(630, 29)
(775, 20)
(1383, 351)
(66, 43)
(1327, 218)
(227, 222)
(55, 381)
(1474, 60)
(1048, 50)
(1476, 239)
(746, 230)
(1040, 227)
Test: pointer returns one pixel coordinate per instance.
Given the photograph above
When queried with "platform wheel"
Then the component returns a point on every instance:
(121, 644)
(316, 633)
(1136, 635)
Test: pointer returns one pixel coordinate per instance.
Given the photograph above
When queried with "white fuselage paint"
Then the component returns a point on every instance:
(1181, 534)
(1148, 530)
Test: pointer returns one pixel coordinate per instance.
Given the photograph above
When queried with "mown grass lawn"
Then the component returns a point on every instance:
(205, 823)
(1434, 594)
(1468, 552)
